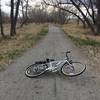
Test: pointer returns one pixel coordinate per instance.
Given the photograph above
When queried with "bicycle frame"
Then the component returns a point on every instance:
(57, 66)
(65, 66)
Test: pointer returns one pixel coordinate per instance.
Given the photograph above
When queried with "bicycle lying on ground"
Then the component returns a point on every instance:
(66, 67)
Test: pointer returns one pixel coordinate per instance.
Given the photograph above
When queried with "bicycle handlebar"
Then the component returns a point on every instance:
(67, 54)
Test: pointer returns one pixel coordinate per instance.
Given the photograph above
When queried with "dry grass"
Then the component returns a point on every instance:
(83, 38)
(78, 31)
(26, 37)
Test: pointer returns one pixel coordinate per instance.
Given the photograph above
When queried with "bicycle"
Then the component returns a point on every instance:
(66, 67)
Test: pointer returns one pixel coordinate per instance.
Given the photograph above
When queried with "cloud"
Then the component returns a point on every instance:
(5, 8)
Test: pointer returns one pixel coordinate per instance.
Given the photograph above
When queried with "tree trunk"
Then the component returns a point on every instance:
(16, 15)
(22, 23)
(12, 18)
(24, 15)
(84, 16)
(1, 23)
(98, 17)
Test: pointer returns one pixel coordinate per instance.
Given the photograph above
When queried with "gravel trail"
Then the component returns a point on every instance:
(14, 85)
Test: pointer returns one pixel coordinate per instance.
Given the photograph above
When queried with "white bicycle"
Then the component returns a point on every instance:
(66, 67)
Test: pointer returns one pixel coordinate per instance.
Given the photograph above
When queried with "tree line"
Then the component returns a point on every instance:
(90, 18)
(62, 11)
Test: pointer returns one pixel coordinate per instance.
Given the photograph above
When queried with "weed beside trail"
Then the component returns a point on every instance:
(26, 38)
(87, 42)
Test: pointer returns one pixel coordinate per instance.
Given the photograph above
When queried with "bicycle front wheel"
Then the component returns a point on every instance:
(35, 70)
(76, 68)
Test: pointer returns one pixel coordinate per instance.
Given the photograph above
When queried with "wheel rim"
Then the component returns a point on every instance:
(78, 69)
(35, 70)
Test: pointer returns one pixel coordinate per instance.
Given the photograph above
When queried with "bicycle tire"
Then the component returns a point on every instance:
(29, 71)
(76, 72)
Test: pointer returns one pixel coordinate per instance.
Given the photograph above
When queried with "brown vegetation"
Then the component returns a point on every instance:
(78, 31)
(26, 37)
(89, 44)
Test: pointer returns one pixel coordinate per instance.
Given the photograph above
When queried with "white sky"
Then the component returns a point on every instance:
(7, 9)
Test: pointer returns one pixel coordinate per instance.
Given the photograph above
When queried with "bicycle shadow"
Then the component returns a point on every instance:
(83, 80)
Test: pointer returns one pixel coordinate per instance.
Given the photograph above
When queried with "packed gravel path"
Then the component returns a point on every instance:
(14, 85)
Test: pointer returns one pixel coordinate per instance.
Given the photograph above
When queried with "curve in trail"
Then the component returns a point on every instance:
(14, 85)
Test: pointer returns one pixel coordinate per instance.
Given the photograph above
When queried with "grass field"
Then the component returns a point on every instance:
(84, 39)
(87, 42)
(26, 38)
(80, 35)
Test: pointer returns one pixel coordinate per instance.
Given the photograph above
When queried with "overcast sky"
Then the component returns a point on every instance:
(7, 9)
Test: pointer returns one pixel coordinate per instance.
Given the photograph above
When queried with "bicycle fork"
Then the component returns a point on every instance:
(71, 66)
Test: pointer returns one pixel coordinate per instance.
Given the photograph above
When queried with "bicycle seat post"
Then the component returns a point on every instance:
(67, 55)
(47, 60)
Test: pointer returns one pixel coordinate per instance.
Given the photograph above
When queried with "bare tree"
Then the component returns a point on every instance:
(24, 9)
(77, 3)
(1, 22)
(98, 16)
(12, 18)
(58, 4)
(84, 16)
(61, 16)
(16, 15)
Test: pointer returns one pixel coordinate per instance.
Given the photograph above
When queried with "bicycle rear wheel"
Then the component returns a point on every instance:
(35, 70)
(76, 68)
